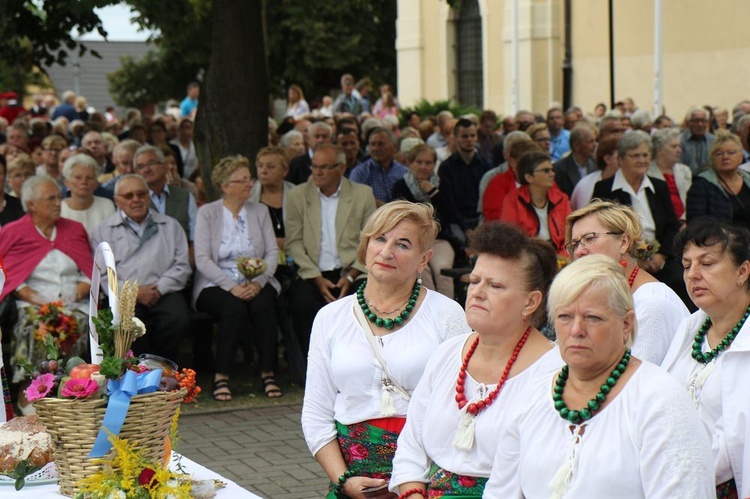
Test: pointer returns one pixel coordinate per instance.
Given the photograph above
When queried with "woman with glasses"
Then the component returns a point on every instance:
(723, 190)
(227, 229)
(538, 206)
(611, 229)
(649, 197)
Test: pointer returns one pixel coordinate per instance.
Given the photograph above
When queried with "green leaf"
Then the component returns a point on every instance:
(112, 367)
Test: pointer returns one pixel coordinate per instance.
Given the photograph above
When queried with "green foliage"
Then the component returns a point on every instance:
(106, 331)
(313, 43)
(49, 344)
(428, 109)
(39, 32)
(23, 469)
(112, 367)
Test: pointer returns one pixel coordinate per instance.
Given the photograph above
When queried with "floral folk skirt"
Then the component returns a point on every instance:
(367, 450)
(32, 349)
(444, 483)
(727, 490)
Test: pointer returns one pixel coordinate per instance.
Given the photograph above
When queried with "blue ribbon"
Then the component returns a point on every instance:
(120, 391)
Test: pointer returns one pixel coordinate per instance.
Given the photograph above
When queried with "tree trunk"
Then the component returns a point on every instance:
(233, 111)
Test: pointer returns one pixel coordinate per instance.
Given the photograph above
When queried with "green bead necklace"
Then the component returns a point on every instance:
(705, 358)
(595, 403)
(396, 321)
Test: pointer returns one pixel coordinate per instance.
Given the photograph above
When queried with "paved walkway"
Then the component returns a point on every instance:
(261, 449)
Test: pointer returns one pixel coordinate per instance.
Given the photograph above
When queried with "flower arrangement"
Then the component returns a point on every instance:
(55, 322)
(645, 249)
(128, 474)
(251, 267)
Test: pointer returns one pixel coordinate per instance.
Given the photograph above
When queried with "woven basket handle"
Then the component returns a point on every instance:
(103, 259)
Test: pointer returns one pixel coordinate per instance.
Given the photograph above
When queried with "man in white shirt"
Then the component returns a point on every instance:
(323, 220)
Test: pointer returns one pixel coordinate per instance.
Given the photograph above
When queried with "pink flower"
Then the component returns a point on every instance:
(359, 452)
(466, 481)
(40, 387)
(79, 388)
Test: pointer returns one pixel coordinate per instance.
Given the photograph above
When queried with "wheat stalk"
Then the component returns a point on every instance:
(126, 333)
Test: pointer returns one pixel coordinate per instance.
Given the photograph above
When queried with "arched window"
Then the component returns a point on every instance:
(469, 53)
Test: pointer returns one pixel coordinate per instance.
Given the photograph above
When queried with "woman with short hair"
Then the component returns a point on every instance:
(80, 173)
(539, 207)
(472, 381)
(226, 229)
(368, 351)
(614, 230)
(710, 354)
(723, 190)
(650, 200)
(607, 424)
(666, 166)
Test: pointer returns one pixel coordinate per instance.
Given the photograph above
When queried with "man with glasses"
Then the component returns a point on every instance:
(323, 219)
(696, 140)
(152, 249)
(166, 199)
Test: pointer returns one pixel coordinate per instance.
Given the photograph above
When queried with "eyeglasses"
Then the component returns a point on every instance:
(643, 155)
(587, 240)
(545, 170)
(246, 180)
(325, 167)
(545, 140)
(150, 164)
(128, 196)
(719, 154)
(53, 150)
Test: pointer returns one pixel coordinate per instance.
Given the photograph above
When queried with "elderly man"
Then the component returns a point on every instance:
(610, 126)
(508, 141)
(572, 168)
(122, 157)
(440, 138)
(323, 219)
(560, 145)
(347, 102)
(461, 173)
(149, 248)
(171, 200)
(524, 119)
(381, 171)
(319, 132)
(695, 140)
(94, 143)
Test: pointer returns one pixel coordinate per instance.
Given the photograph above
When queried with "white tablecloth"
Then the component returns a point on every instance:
(231, 491)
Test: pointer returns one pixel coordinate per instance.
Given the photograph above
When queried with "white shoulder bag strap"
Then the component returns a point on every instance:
(389, 383)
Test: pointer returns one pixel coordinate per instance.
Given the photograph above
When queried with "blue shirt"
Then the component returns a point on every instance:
(372, 174)
(560, 145)
(187, 105)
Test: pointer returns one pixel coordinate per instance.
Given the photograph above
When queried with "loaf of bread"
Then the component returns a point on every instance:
(24, 438)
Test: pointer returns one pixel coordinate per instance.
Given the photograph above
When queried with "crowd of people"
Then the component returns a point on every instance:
(630, 354)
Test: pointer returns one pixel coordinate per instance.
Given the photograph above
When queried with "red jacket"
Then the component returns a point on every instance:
(517, 209)
(494, 195)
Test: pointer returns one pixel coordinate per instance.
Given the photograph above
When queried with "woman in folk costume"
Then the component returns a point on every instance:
(368, 351)
(607, 424)
(458, 408)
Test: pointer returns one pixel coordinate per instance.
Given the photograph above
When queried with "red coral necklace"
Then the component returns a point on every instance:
(475, 407)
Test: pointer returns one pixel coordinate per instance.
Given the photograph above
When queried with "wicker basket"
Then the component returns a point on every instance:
(74, 424)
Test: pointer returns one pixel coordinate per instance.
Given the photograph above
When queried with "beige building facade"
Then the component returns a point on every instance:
(467, 54)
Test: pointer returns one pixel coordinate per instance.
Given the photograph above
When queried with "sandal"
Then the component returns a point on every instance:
(271, 387)
(221, 390)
